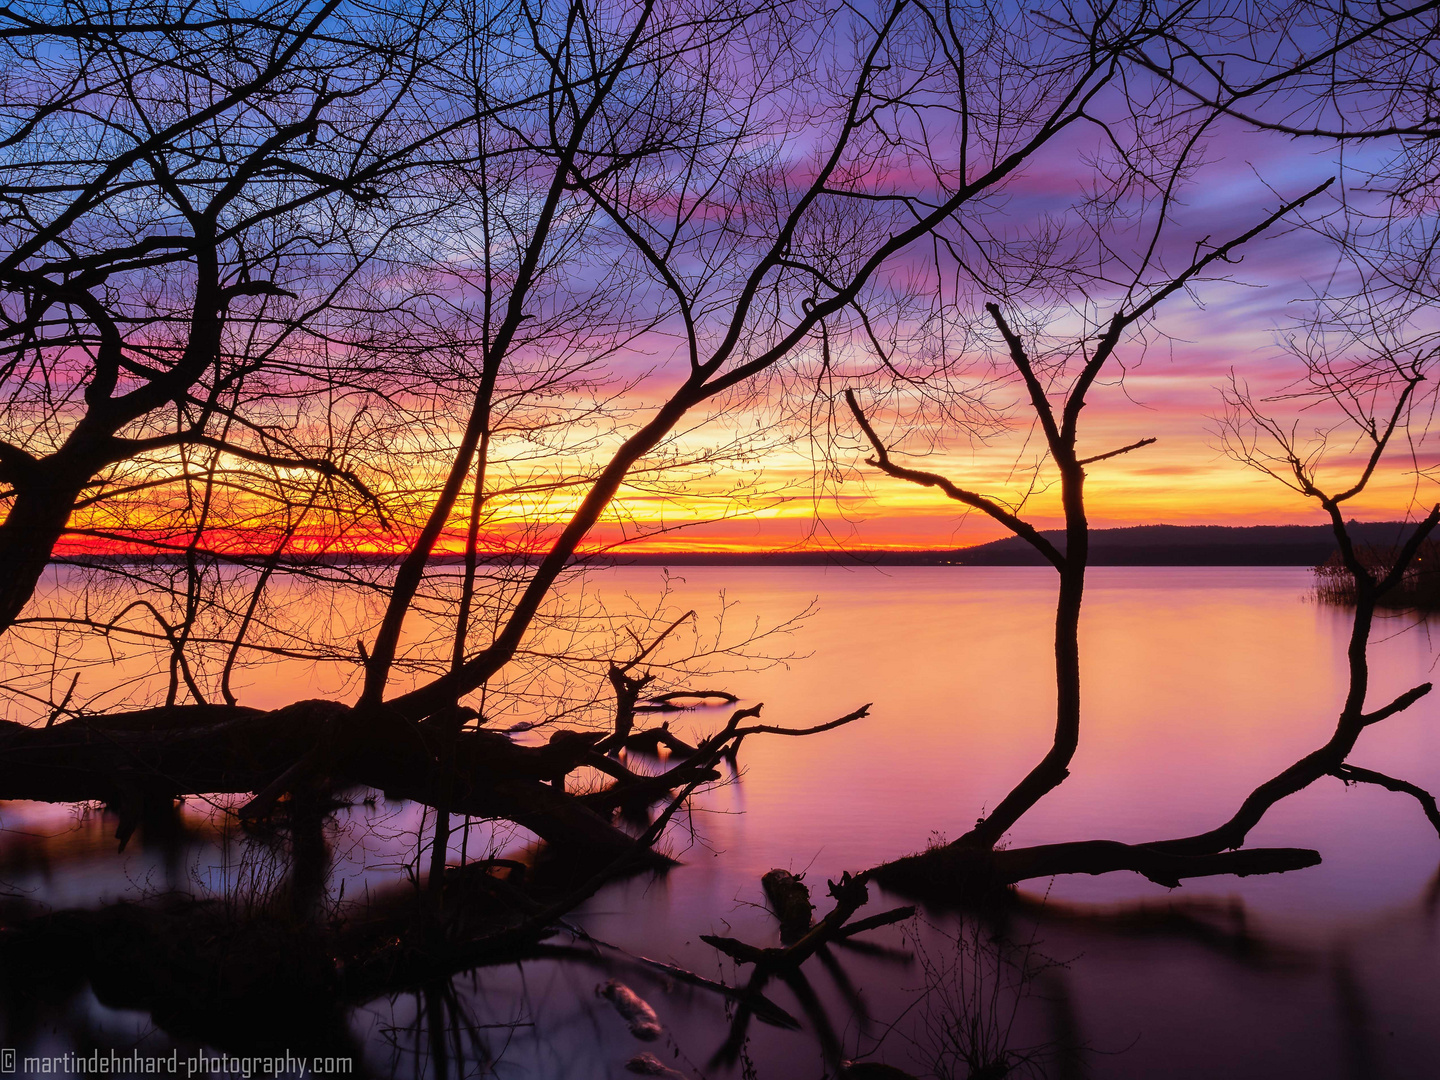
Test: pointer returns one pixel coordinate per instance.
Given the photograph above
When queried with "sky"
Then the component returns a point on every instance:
(770, 484)
(1171, 392)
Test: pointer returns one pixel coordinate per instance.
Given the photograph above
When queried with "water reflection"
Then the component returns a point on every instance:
(1201, 683)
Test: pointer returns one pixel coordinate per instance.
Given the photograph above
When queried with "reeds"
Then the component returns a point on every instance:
(1418, 588)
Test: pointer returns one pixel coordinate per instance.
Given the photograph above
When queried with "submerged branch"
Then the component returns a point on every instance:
(965, 872)
(1353, 774)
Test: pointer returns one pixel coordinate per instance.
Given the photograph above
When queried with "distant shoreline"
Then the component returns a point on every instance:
(1138, 545)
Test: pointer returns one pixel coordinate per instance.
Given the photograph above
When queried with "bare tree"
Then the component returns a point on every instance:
(1046, 373)
(604, 178)
(190, 202)
(1371, 408)
(1367, 387)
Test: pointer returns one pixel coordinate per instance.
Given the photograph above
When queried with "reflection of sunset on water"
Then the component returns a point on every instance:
(1201, 682)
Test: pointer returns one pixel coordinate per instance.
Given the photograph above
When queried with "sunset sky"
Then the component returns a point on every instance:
(774, 480)
(1172, 392)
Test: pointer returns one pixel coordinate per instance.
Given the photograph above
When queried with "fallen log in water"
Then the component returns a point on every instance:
(220, 971)
(124, 760)
(959, 871)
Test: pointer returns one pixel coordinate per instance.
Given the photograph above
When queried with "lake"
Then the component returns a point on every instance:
(1198, 684)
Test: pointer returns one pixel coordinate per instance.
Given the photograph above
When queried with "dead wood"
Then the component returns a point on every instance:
(763, 1008)
(641, 792)
(670, 702)
(700, 760)
(650, 1065)
(633, 1009)
(790, 901)
(127, 760)
(178, 751)
(967, 871)
(210, 970)
(627, 693)
(169, 718)
(850, 895)
(188, 750)
(676, 695)
(1353, 774)
(650, 740)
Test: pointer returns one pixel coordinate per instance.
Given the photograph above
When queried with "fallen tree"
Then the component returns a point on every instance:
(973, 865)
(126, 759)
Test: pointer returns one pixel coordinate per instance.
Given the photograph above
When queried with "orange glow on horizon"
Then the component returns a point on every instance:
(768, 502)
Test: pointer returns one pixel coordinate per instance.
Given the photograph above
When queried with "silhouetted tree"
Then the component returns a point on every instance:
(509, 201)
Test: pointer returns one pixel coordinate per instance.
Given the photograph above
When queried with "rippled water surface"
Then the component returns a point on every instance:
(1198, 684)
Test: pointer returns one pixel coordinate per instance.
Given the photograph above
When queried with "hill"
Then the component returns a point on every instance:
(1194, 545)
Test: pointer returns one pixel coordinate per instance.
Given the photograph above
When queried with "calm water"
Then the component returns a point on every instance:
(1198, 684)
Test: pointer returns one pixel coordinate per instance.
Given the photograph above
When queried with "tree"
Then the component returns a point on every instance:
(562, 182)
(192, 203)
(1364, 363)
